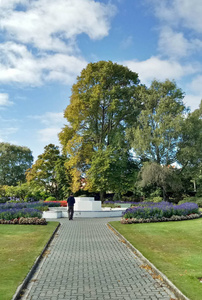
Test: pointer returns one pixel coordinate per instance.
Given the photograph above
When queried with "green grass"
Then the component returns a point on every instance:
(20, 245)
(175, 248)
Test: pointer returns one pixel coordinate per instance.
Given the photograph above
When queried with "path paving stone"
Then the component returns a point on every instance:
(87, 261)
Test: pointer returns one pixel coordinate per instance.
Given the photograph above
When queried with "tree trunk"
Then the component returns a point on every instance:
(164, 194)
(102, 196)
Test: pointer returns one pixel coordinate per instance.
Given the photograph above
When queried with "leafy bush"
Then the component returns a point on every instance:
(3, 199)
(196, 200)
(117, 197)
(157, 199)
(50, 199)
(199, 202)
(159, 210)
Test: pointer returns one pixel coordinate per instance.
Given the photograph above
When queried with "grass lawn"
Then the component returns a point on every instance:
(175, 248)
(20, 245)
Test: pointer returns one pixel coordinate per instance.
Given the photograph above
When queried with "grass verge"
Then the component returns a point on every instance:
(20, 245)
(173, 247)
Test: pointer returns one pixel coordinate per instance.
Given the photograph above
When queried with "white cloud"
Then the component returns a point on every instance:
(40, 38)
(172, 43)
(48, 24)
(175, 17)
(179, 12)
(53, 123)
(50, 119)
(196, 84)
(49, 135)
(127, 42)
(21, 66)
(6, 132)
(156, 68)
(4, 100)
(192, 101)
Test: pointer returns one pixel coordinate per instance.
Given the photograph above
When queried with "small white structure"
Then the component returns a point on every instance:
(87, 204)
(85, 207)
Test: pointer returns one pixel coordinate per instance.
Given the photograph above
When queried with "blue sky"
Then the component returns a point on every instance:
(46, 43)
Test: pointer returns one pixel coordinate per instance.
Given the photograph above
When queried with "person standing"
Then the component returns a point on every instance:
(71, 202)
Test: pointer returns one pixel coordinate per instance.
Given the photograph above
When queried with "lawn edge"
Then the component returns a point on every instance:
(165, 279)
(22, 286)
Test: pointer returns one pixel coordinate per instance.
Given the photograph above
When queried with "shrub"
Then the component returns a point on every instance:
(50, 199)
(199, 202)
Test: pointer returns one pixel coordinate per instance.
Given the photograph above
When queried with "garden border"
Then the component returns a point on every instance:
(173, 288)
(21, 287)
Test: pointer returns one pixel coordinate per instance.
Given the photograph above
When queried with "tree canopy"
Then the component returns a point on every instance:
(103, 103)
(49, 172)
(158, 131)
(14, 161)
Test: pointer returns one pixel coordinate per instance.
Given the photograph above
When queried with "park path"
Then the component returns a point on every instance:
(87, 261)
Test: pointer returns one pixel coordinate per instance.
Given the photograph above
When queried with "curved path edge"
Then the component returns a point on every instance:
(21, 287)
(170, 285)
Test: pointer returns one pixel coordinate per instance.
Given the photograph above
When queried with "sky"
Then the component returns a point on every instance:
(44, 45)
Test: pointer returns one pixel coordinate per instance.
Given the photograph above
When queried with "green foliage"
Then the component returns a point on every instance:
(161, 176)
(117, 197)
(51, 198)
(103, 103)
(157, 133)
(196, 200)
(190, 154)
(49, 172)
(156, 199)
(14, 161)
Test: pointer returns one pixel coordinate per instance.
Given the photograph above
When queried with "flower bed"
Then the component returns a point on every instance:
(27, 212)
(23, 213)
(163, 211)
(62, 203)
(25, 221)
(15, 213)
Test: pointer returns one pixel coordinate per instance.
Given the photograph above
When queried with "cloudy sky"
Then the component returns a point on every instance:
(46, 43)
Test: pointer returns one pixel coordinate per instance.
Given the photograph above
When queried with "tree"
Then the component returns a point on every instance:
(161, 176)
(157, 133)
(49, 172)
(102, 105)
(111, 170)
(14, 161)
(190, 154)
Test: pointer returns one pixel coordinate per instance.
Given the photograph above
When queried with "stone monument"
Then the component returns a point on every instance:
(87, 204)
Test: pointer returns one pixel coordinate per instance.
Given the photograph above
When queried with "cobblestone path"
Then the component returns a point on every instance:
(87, 261)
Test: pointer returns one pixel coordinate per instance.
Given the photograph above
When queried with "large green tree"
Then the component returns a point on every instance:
(49, 172)
(111, 170)
(157, 133)
(190, 149)
(14, 161)
(163, 177)
(103, 103)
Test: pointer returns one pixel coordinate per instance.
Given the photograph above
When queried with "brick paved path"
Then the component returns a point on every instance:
(87, 261)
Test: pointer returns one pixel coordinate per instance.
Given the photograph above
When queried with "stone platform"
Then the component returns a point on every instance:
(61, 212)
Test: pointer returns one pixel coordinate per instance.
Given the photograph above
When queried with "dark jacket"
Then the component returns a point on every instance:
(71, 201)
